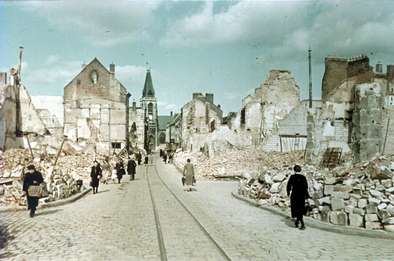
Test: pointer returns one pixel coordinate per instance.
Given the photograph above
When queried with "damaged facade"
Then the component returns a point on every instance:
(200, 116)
(356, 110)
(18, 116)
(95, 108)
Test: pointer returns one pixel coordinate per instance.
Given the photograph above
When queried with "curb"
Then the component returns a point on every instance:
(56, 203)
(314, 223)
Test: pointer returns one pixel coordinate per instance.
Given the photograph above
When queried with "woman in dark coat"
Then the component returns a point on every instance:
(95, 174)
(119, 170)
(139, 158)
(131, 165)
(32, 178)
(298, 187)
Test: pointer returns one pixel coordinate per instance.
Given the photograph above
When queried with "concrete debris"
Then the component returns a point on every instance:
(61, 180)
(351, 195)
(233, 163)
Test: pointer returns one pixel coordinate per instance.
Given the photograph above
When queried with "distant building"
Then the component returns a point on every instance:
(95, 108)
(199, 116)
(163, 122)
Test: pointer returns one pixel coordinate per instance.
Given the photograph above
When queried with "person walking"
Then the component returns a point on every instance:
(297, 189)
(165, 157)
(32, 187)
(139, 158)
(96, 174)
(131, 165)
(119, 170)
(188, 175)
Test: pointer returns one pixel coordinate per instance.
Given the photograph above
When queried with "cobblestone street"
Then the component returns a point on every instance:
(118, 223)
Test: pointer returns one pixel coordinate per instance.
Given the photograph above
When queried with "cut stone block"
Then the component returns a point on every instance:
(338, 218)
(356, 220)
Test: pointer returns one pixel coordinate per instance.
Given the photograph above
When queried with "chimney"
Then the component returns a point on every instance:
(379, 68)
(196, 95)
(390, 73)
(112, 68)
(209, 97)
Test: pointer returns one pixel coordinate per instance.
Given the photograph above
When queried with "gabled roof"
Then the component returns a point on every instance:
(148, 86)
(87, 66)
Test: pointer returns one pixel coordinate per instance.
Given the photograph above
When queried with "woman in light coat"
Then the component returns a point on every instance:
(188, 175)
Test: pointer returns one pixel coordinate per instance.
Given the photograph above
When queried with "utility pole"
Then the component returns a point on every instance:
(17, 84)
(127, 124)
(310, 76)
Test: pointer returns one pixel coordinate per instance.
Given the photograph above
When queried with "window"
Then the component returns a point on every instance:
(243, 116)
(150, 108)
(116, 145)
(212, 126)
(94, 77)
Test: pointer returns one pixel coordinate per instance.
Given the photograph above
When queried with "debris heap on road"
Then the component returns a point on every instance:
(233, 163)
(360, 195)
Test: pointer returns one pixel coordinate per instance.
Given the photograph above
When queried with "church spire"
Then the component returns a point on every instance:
(148, 87)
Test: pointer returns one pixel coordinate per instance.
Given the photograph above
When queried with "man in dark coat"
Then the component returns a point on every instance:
(298, 187)
(139, 158)
(165, 157)
(95, 174)
(32, 178)
(119, 170)
(131, 165)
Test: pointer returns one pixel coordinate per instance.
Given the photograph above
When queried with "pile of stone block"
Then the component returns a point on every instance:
(359, 195)
(61, 180)
(234, 163)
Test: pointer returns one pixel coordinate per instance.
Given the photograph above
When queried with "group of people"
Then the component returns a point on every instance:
(167, 156)
(96, 173)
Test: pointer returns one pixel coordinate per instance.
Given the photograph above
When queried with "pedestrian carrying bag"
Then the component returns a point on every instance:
(44, 190)
(34, 191)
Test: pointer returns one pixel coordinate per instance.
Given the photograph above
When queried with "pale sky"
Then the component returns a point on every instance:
(223, 47)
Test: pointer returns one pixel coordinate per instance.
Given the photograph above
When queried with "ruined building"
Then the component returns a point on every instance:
(356, 111)
(18, 116)
(200, 116)
(262, 111)
(96, 108)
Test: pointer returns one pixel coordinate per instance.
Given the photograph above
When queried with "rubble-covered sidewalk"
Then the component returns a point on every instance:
(360, 195)
(61, 180)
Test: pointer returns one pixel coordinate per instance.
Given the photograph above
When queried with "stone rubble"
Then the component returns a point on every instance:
(61, 181)
(360, 195)
(233, 163)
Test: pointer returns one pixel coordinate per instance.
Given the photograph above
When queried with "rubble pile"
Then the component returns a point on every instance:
(61, 181)
(360, 195)
(234, 163)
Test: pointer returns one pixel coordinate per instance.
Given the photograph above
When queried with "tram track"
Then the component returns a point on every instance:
(164, 252)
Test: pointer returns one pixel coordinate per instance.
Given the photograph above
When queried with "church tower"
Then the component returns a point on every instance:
(149, 106)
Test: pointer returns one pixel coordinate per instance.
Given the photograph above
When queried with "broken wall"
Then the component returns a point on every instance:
(367, 121)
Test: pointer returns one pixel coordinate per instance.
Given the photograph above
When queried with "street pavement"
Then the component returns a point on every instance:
(118, 223)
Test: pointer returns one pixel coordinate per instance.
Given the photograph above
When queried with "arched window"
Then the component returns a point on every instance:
(212, 126)
(243, 112)
(133, 127)
(150, 108)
